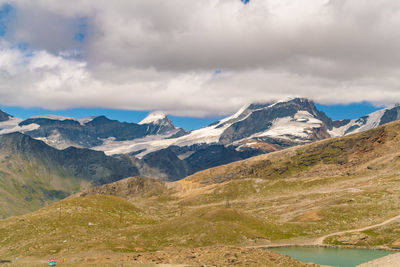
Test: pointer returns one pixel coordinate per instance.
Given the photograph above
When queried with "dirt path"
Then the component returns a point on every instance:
(320, 240)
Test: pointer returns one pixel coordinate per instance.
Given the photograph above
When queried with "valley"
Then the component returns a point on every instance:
(290, 197)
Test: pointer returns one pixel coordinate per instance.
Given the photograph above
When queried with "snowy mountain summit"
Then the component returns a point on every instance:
(260, 127)
(158, 123)
(263, 127)
(156, 117)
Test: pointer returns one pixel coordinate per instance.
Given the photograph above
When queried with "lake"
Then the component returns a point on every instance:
(343, 257)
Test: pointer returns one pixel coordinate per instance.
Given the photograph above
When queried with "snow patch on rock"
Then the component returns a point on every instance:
(12, 126)
(363, 124)
(300, 126)
(82, 121)
(154, 117)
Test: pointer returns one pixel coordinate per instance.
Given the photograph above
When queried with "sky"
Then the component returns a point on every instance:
(197, 59)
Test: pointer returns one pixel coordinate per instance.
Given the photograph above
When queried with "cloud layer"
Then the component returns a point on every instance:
(199, 58)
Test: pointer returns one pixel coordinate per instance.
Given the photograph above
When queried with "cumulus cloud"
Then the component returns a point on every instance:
(147, 55)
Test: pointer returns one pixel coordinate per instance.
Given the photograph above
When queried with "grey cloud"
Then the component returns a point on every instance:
(162, 54)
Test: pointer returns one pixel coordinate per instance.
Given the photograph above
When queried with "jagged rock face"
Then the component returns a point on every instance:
(105, 128)
(261, 118)
(367, 122)
(160, 125)
(64, 133)
(390, 115)
(340, 123)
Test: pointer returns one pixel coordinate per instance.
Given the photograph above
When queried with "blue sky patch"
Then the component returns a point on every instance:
(351, 111)
(82, 26)
(6, 11)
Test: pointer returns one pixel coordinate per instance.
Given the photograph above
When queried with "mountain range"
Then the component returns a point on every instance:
(160, 149)
(46, 158)
(339, 191)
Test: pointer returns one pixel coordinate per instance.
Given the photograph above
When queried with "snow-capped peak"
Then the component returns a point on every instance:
(52, 117)
(365, 123)
(285, 99)
(236, 115)
(154, 117)
(82, 121)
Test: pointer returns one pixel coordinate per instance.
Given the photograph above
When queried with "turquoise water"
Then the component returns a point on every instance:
(343, 257)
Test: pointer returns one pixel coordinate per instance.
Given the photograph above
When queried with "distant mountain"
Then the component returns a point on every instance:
(264, 127)
(62, 132)
(281, 124)
(157, 123)
(296, 120)
(367, 122)
(33, 173)
(166, 165)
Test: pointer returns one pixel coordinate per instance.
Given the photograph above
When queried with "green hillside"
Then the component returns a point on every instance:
(293, 196)
(33, 174)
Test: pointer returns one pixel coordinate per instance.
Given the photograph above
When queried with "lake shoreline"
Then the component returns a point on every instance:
(277, 245)
(332, 255)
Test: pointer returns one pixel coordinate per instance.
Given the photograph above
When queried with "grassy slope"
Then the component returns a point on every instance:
(26, 186)
(33, 174)
(296, 194)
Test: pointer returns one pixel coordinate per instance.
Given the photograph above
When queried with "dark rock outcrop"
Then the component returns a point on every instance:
(390, 115)
(4, 116)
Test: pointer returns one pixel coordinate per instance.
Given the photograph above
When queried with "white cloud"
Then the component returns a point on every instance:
(163, 54)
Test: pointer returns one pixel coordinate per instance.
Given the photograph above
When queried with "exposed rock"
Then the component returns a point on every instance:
(390, 115)
(4, 116)
(353, 239)
(261, 118)
(130, 187)
(70, 132)
(396, 244)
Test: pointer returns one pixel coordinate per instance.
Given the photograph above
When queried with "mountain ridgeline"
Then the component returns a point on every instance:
(46, 158)
(65, 132)
(161, 150)
(259, 118)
